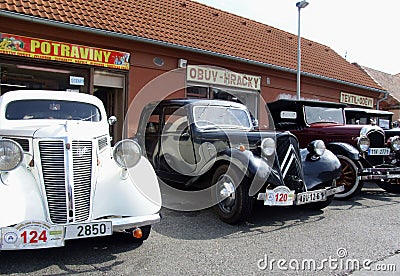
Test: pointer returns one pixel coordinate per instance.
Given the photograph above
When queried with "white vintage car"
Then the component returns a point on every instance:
(60, 179)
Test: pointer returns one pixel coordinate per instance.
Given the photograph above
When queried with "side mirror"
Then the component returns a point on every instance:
(112, 120)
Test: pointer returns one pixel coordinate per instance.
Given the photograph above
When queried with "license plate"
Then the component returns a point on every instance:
(280, 196)
(30, 235)
(311, 196)
(86, 230)
(378, 151)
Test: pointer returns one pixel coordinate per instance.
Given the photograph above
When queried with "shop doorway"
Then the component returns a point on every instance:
(111, 98)
(110, 89)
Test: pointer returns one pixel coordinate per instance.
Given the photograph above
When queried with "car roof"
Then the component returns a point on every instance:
(368, 111)
(291, 104)
(49, 94)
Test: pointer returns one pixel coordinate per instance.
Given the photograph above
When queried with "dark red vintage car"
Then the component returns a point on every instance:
(361, 149)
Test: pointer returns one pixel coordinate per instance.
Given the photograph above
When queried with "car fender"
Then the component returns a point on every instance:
(253, 167)
(126, 192)
(323, 169)
(345, 149)
(20, 197)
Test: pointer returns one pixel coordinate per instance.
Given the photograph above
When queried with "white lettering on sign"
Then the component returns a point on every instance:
(356, 99)
(213, 75)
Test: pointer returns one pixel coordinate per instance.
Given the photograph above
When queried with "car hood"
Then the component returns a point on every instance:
(349, 129)
(75, 129)
(238, 136)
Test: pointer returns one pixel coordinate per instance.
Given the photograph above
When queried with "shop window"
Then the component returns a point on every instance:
(22, 76)
(197, 92)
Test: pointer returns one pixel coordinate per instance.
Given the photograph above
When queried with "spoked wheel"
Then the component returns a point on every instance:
(391, 186)
(234, 203)
(349, 178)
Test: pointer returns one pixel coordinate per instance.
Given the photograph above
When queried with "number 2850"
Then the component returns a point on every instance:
(91, 229)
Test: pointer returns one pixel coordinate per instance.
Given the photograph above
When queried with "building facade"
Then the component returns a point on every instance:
(53, 46)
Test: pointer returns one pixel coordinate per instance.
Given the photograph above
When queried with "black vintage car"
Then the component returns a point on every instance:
(361, 149)
(212, 145)
(384, 119)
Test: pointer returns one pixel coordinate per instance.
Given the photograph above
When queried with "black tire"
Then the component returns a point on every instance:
(238, 206)
(390, 186)
(145, 233)
(349, 178)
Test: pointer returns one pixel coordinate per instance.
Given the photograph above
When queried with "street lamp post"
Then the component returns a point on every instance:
(299, 5)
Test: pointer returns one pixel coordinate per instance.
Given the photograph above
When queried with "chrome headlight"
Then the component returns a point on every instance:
(363, 143)
(316, 147)
(268, 146)
(11, 155)
(394, 143)
(127, 153)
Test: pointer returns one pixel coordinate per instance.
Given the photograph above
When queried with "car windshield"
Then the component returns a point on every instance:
(221, 117)
(52, 109)
(318, 114)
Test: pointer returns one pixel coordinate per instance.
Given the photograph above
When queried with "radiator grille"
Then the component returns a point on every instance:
(377, 140)
(102, 142)
(52, 157)
(24, 143)
(290, 161)
(82, 166)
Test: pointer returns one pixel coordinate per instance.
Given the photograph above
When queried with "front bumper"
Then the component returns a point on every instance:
(40, 234)
(379, 173)
(121, 224)
(283, 196)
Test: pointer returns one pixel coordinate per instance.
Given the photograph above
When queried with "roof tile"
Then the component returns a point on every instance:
(196, 25)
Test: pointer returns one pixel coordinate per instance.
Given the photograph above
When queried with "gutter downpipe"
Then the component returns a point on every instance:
(73, 27)
(386, 94)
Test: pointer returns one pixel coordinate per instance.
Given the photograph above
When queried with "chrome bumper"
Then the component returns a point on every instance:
(120, 224)
(334, 190)
(379, 173)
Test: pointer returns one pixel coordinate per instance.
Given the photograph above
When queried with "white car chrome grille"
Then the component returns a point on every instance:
(102, 142)
(53, 160)
(52, 157)
(82, 166)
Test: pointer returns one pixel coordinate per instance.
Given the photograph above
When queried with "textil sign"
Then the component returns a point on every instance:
(212, 75)
(60, 51)
(356, 99)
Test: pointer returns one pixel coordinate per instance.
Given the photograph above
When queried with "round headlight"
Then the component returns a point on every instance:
(394, 143)
(127, 153)
(268, 146)
(317, 147)
(363, 143)
(11, 155)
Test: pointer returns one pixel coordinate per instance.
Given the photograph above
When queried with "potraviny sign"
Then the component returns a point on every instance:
(17, 45)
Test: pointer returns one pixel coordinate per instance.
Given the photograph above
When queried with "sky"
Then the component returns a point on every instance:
(361, 31)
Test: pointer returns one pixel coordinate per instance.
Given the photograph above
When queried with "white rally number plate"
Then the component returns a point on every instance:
(280, 196)
(378, 151)
(86, 230)
(31, 234)
(311, 196)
